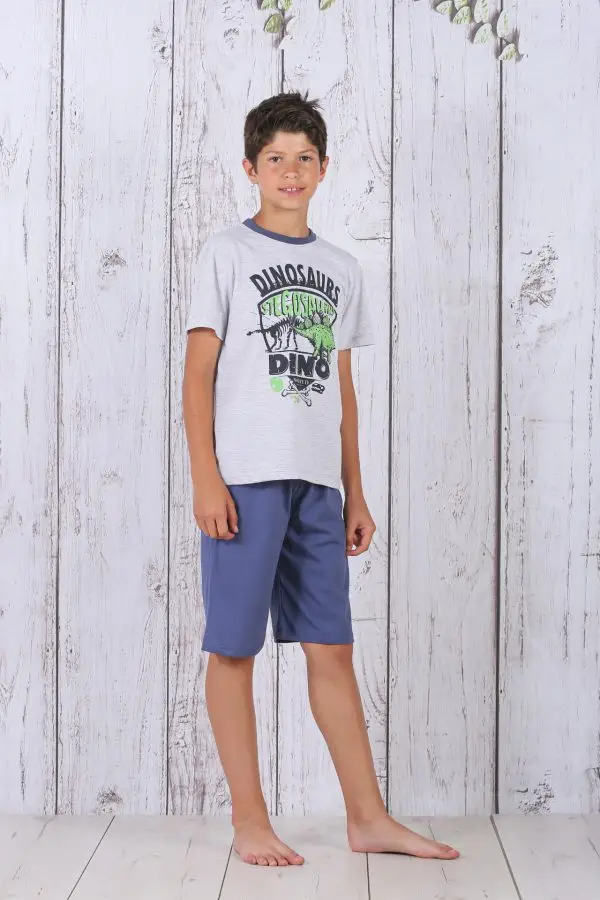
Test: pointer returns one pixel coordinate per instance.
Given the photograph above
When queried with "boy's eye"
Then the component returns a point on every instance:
(275, 158)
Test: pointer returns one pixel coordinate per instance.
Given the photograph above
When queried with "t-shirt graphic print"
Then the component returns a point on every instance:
(283, 307)
(297, 311)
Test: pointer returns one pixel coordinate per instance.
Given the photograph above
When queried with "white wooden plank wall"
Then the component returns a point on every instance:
(29, 271)
(101, 614)
(444, 437)
(113, 462)
(549, 715)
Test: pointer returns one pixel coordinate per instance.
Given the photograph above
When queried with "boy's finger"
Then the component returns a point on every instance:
(362, 539)
(350, 541)
(232, 516)
(223, 528)
(351, 532)
(210, 528)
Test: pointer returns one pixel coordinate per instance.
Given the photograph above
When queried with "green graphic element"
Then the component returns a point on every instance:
(284, 316)
(294, 303)
(320, 335)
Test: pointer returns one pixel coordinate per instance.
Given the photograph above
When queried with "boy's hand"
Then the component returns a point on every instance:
(360, 527)
(214, 509)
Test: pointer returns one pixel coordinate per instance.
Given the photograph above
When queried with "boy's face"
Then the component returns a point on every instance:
(287, 170)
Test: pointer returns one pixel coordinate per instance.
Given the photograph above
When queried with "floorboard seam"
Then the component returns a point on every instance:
(225, 872)
(83, 871)
(514, 880)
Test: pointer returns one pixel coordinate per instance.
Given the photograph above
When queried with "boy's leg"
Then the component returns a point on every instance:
(237, 582)
(337, 708)
(231, 712)
(313, 606)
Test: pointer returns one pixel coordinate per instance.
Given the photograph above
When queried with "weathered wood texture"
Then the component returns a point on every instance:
(223, 62)
(29, 198)
(549, 722)
(343, 57)
(113, 407)
(444, 410)
(512, 857)
(488, 276)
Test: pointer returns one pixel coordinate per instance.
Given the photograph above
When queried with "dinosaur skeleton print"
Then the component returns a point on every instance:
(296, 314)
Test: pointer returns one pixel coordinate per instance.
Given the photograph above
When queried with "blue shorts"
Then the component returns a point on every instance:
(288, 557)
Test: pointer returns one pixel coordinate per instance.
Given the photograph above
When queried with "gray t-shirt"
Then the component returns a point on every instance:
(283, 308)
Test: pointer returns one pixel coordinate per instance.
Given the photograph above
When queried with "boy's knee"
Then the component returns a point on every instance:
(230, 661)
(328, 655)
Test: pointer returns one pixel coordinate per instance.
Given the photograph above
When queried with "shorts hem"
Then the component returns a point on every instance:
(315, 639)
(209, 647)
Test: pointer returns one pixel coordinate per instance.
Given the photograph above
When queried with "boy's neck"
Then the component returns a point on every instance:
(292, 223)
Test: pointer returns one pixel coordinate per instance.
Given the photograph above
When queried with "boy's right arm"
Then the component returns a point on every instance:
(214, 507)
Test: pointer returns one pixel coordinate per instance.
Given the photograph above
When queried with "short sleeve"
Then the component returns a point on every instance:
(356, 328)
(211, 288)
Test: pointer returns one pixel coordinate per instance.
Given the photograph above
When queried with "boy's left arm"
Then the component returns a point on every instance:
(360, 526)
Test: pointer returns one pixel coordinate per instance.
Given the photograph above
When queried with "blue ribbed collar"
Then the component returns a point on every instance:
(280, 237)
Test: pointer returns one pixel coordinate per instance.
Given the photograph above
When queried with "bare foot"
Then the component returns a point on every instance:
(258, 845)
(385, 835)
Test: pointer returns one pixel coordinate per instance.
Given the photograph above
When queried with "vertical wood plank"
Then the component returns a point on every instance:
(29, 229)
(342, 56)
(114, 391)
(224, 65)
(444, 362)
(549, 722)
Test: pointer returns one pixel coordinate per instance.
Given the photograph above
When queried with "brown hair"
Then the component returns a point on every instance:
(284, 112)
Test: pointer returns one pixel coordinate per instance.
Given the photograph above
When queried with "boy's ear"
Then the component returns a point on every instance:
(324, 165)
(250, 170)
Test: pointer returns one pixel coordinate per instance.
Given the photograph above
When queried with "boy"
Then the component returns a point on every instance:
(271, 423)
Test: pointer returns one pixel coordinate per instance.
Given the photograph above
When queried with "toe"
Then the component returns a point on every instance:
(262, 860)
(272, 860)
(250, 858)
(291, 856)
(282, 861)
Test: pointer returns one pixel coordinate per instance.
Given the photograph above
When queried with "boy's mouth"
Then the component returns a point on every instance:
(292, 191)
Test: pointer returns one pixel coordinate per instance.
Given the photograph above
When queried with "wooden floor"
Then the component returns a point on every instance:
(179, 858)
